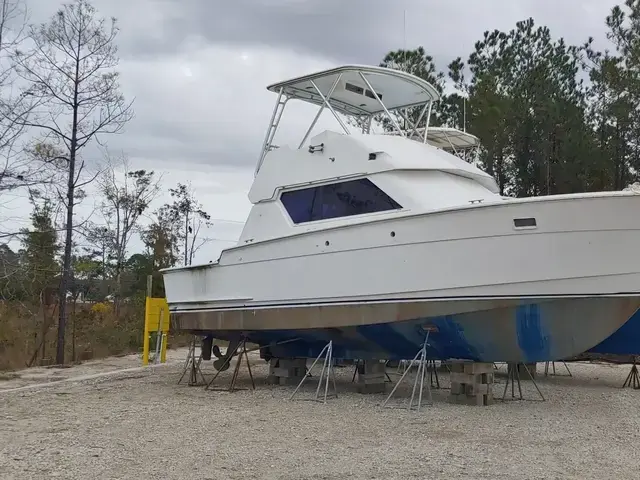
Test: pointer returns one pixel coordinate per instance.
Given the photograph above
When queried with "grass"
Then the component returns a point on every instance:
(94, 329)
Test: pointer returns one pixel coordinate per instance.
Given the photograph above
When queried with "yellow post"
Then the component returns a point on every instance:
(156, 319)
(145, 342)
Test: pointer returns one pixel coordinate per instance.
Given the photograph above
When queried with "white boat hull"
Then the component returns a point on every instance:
(491, 292)
(581, 246)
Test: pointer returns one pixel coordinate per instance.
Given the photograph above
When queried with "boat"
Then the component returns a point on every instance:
(380, 242)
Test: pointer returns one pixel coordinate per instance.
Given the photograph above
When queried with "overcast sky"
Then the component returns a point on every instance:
(198, 71)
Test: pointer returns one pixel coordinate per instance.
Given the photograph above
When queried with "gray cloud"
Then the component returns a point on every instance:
(362, 31)
(197, 102)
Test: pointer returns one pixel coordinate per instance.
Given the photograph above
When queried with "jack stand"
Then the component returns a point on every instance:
(422, 365)
(633, 379)
(553, 367)
(386, 374)
(327, 369)
(513, 377)
(433, 373)
(192, 364)
(401, 366)
(241, 351)
(431, 366)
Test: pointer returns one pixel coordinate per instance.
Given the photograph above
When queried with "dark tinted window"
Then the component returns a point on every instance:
(524, 222)
(336, 200)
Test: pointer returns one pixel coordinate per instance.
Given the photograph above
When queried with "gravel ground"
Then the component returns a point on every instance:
(141, 423)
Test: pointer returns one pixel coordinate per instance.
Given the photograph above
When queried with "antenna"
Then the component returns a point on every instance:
(464, 114)
(404, 31)
(404, 51)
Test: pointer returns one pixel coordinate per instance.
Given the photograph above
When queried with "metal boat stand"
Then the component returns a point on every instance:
(327, 371)
(513, 377)
(432, 368)
(633, 379)
(422, 366)
(433, 373)
(553, 367)
(241, 351)
(192, 365)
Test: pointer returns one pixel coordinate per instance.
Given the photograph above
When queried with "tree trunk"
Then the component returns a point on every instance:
(71, 184)
(186, 238)
(66, 266)
(116, 297)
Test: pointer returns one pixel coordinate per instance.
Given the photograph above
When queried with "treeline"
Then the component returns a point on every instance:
(68, 97)
(552, 118)
(102, 269)
(59, 94)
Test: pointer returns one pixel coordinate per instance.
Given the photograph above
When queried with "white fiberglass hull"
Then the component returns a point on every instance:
(443, 263)
(581, 246)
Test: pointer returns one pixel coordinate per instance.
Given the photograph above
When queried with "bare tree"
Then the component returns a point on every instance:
(17, 169)
(188, 217)
(71, 70)
(126, 196)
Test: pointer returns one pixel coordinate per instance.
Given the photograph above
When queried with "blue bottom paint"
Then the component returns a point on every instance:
(450, 340)
(522, 334)
(624, 341)
(532, 338)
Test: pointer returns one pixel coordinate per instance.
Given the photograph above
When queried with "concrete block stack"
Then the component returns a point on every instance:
(471, 383)
(371, 376)
(287, 371)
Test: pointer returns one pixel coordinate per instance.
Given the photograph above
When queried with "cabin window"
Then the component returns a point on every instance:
(524, 222)
(336, 200)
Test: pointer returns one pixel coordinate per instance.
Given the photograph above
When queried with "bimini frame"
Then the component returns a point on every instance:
(459, 143)
(357, 92)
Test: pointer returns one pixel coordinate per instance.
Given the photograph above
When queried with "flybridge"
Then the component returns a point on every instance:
(357, 92)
